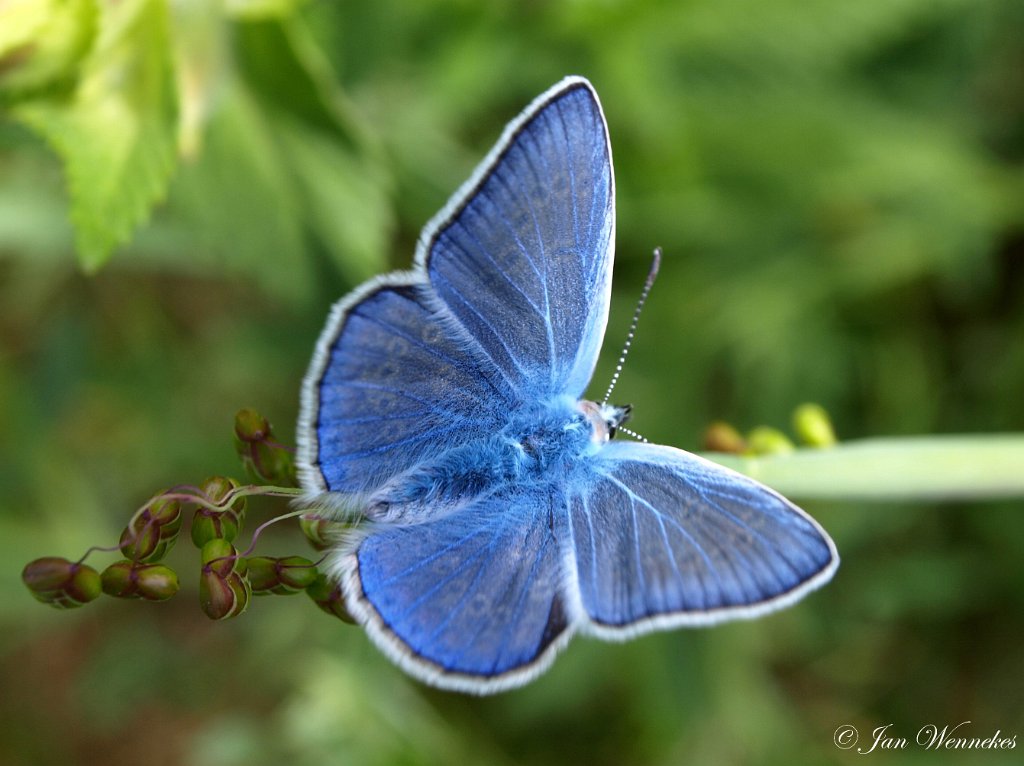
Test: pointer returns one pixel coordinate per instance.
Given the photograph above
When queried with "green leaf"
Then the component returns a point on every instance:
(117, 132)
(41, 42)
(905, 469)
(336, 161)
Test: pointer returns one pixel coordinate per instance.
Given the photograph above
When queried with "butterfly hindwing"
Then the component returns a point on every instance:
(663, 538)
(470, 601)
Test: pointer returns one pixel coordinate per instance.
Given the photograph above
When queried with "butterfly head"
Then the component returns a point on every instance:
(604, 418)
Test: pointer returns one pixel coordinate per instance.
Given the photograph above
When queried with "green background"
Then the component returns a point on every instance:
(839, 191)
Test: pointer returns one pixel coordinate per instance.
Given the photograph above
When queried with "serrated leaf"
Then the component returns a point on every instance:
(117, 132)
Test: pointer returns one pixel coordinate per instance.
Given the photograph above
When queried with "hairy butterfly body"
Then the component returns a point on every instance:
(444, 407)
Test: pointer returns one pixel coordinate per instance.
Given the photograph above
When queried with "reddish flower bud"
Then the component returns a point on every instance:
(327, 595)
(60, 583)
(216, 597)
(722, 437)
(221, 557)
(167, 513)
(140, 541)
(118, 580)
(264, 460)
(217, 488)
(222, 597)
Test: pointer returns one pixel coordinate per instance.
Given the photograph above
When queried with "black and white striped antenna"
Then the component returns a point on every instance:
(655, 263)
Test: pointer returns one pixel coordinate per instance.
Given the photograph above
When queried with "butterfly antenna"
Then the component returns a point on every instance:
(631, 432)
(655, 263)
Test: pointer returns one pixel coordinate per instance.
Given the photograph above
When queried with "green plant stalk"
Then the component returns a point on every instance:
(936, 468)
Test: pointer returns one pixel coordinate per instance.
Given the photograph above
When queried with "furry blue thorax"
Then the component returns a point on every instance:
(538, 440)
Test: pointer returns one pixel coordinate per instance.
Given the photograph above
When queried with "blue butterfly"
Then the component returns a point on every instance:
(443, 408)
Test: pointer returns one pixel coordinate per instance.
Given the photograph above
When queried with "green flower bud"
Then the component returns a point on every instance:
(46, 575)
(85, 584)
(264, 461)
(217, 488)
(220, 556)
(263, 576)
(282, 576)
(118, 580)
(153, 532)
(216, 597)
(813, 426)
(296, 573)
(765, 440)
(60, 583)
(251, 426)
(212, 525)
(240, 586)
(222, 597)
(156, 582)
(722, 437)
(327, 595)
(318, 531)
(167, 513)
(141, 542)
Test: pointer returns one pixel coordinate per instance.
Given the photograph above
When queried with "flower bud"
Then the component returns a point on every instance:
(251, 426)
(212, 525)
(217, 488)
(318, 531)
(118, 580)
(722, 437)
(765, 440)
(60, 583)
(153, 532)
(84, 586)
(156, 582)
(46, 575)
(264, 461)
(282, 576)
(222, 597)
(220, 556)
(216, 597)
(327, 595)
(813, 426)
(207, 523)
(139, 541)
(263, 576)
(297, 573)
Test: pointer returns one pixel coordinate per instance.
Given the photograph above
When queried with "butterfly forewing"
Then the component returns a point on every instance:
(524, 257)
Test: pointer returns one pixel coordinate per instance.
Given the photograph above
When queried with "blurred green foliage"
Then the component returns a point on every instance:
(839, 191)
